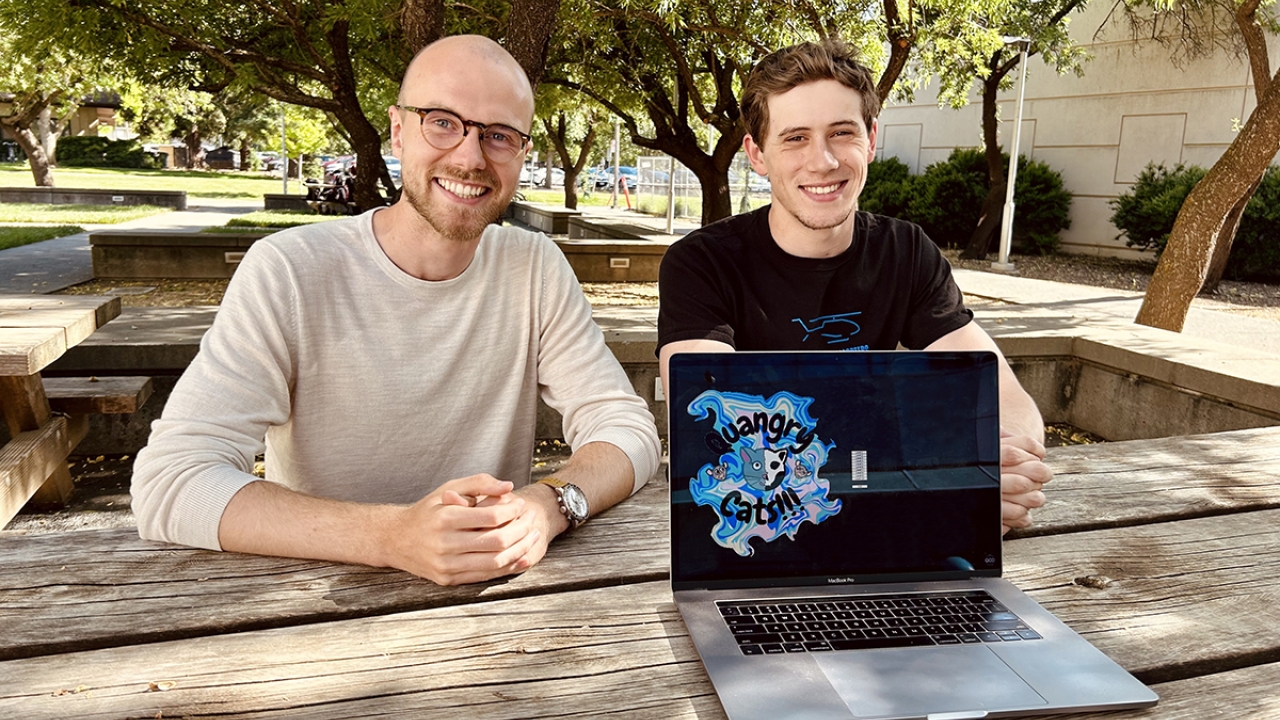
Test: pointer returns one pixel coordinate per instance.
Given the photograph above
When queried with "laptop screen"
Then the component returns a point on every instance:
(833, 467)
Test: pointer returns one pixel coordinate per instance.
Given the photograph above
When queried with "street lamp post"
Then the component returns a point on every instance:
(1006, 225)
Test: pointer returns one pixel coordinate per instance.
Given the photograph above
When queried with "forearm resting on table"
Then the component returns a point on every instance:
(265, 518)
(603, 472)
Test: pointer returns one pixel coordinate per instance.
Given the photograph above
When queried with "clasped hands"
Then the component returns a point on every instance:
(473, 529)
(1022, 478)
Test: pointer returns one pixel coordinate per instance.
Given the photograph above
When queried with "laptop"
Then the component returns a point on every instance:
(836, 545)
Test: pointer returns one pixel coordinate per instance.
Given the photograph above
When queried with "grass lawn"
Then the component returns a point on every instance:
(277, 219)
(14, 236)
(76, 214)
(197, 183)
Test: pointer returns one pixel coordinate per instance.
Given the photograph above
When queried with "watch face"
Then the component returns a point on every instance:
(575, 502)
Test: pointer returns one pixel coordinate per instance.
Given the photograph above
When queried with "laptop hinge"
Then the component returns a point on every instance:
(962, 715)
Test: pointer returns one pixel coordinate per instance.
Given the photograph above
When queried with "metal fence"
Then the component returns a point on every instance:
(659, 180)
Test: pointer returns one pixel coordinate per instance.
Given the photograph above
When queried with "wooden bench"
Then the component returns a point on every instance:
(97, 395)
(35, 331)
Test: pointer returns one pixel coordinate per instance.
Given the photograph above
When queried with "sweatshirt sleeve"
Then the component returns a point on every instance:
(580, 377)
(202, 449)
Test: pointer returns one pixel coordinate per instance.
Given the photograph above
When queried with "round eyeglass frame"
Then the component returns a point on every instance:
(503, 154)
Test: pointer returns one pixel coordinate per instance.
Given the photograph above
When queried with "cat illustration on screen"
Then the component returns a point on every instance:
(763, 469)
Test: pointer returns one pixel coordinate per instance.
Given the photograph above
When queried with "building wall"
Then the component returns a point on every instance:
(1133, 105)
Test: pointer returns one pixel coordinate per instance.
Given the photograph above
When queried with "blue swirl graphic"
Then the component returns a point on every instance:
(768, 484)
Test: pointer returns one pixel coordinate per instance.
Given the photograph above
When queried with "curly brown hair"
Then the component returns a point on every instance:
(782, 70)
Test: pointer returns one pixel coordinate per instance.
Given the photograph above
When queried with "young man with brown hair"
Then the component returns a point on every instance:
(811, 272)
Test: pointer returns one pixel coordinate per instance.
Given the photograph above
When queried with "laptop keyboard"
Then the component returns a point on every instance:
(866, 622)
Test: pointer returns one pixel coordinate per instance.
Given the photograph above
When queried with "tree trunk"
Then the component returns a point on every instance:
(370, 168)
(559, 136)
(195, 157)
(1201, 222)
(1222, 249)
(36, 158)
(997, 180)
(246, 156)
(546, 180)
(530, 26)
(46, 135)
(422, 22)
(901, 39)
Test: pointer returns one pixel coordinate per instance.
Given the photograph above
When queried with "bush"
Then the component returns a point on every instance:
(1042, 206)
(91, 151)
(1145, 216)
(947, 199)
(1146, 213)
(888, 188)
(1255, 254)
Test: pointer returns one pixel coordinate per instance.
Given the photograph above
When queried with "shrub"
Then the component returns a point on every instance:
(1255, 254)
(1042, 206)
(92, 151)
(888, 188)
(1146, 213)
(947, 199)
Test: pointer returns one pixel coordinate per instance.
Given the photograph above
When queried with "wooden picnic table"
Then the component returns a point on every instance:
(1162, 553)
(35, 330)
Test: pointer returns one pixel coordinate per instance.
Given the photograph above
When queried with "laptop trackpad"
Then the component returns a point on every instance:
(917, 681)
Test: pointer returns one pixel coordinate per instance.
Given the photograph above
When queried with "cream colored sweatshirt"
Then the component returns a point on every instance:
(373, 386)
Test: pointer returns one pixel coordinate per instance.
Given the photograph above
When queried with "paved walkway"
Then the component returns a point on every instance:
(52, 265)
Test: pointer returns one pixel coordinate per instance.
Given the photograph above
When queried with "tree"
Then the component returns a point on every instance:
(568, 124)
(673, 72)
(251, 120)
(1206, 226)
(314, 53)
(159, 113)
(47, 89)
(1044, 24)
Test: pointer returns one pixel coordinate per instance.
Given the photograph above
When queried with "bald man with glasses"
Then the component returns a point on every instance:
(390, 366)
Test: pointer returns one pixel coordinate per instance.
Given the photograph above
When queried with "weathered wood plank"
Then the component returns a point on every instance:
(27, 462)
(104, 395)
(1165, 600)
(616, 652)
(26, 351)
(104, 307)
(36, 330)
(567, 655)
(23, 403)
(99, 588)
(1143, 481)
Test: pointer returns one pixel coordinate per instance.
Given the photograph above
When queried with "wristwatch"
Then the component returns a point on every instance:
(573, 503)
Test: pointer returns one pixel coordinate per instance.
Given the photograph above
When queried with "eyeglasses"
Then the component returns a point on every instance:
(444, 130)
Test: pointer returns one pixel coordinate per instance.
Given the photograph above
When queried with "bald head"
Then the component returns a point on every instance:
(474, 61)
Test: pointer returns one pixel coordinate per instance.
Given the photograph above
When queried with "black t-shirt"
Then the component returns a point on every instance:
(730, 282)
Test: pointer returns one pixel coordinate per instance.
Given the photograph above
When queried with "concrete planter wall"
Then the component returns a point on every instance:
(280, 201)
(176, 199)
(142, 254)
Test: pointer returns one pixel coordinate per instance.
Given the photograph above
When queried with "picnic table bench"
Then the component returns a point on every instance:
(1160, 552)
(35, 331)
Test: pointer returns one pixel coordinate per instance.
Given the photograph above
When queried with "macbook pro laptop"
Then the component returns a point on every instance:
(836, 544)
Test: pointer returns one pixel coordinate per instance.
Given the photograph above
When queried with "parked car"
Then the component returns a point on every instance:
(540, 176)
(627, 174)
(393, 167)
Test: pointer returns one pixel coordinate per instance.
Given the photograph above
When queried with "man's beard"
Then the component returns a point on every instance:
(455, 222)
